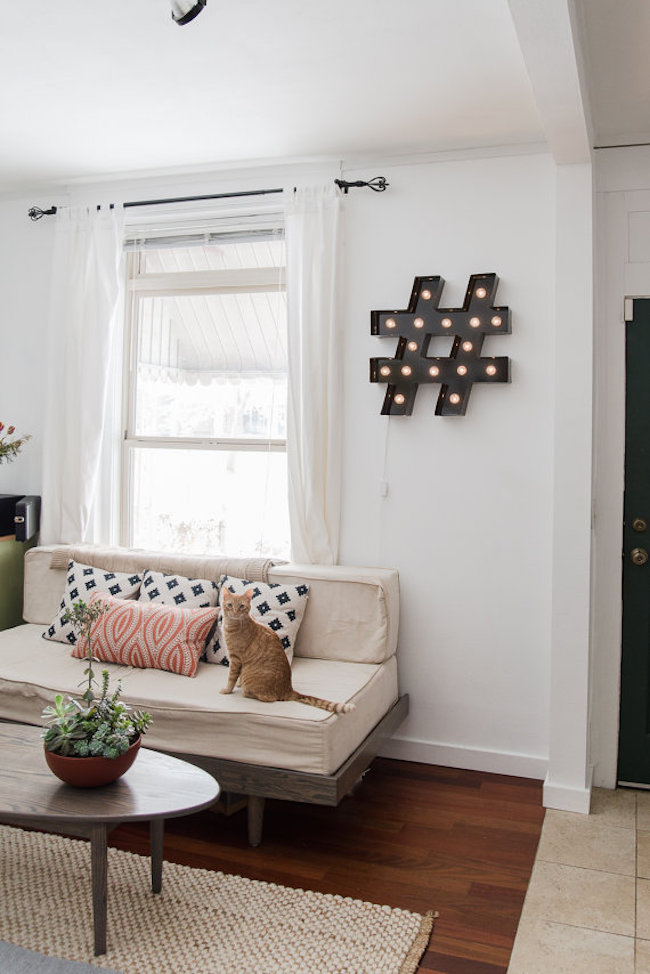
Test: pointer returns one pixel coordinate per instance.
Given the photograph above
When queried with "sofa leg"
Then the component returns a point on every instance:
(255, 819)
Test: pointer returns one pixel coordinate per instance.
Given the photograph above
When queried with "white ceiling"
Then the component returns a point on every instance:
(94, 87)
(614, 37)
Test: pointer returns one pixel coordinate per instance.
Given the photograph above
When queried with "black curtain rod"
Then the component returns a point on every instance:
(195, 199)
(623, 145)
(378, 184)
(36, 213)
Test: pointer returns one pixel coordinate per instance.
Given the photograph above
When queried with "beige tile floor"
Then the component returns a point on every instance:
(587, 909)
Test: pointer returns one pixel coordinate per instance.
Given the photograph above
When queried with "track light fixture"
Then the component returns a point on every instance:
(185, 10)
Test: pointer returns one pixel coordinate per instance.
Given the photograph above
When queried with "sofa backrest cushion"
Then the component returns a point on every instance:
(352, 613)
(45, 571)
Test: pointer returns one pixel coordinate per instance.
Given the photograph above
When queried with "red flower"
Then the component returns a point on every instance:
(2, 426)
(11, 430)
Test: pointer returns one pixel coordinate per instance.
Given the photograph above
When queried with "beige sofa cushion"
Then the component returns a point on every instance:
(352, 613)
(191, 716)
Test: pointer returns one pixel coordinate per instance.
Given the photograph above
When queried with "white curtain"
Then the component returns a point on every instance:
(83, 366)
(314, 421)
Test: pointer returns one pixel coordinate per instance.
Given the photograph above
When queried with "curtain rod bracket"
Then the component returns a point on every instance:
(36, 213)
(378, 184)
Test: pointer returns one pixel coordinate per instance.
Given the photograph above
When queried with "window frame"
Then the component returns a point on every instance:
(140, 285)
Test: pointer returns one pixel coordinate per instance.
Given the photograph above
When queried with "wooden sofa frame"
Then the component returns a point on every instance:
(257, 783)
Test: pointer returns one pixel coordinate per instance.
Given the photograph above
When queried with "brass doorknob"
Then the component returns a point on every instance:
(639, 556)
(639, 524)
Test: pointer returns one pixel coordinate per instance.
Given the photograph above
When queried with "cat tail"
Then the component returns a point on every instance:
(336, 708)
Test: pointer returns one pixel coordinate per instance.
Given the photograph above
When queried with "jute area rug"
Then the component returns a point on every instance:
(202, 922)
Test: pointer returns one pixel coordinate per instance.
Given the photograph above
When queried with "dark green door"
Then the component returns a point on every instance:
(634, 735)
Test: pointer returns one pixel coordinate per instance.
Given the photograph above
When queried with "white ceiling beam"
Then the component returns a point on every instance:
(547, 39)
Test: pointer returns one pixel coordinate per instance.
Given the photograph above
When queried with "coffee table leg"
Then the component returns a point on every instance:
(156, 829)
(99, 869)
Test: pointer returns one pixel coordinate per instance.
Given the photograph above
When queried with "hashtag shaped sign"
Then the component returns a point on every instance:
(423, 320)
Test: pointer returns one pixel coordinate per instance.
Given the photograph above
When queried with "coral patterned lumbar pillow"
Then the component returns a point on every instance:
(149, 635)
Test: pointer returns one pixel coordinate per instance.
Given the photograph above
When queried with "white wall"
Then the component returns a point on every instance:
(25, 259)
(568, 780)
(468, 519)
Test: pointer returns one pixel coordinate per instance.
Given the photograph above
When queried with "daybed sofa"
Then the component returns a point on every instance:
(344, 651)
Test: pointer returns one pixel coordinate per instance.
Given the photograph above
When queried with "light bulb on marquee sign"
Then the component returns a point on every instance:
(422, 320)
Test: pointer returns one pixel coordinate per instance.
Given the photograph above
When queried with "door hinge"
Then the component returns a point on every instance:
(628, 312)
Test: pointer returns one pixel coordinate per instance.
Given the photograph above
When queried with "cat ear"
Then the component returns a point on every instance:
(248, 594)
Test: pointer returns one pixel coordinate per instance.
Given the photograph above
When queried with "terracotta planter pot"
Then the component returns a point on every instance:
(92, 772)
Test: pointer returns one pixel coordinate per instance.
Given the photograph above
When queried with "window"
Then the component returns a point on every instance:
(205, 400)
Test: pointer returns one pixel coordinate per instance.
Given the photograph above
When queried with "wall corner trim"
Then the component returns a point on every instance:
(566, 798)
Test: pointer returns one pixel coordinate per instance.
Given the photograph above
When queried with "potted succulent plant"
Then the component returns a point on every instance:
(94, 740)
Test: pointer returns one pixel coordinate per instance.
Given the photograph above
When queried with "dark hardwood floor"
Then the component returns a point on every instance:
(410, 835)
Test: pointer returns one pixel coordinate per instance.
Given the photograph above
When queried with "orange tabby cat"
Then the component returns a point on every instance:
(258, 660)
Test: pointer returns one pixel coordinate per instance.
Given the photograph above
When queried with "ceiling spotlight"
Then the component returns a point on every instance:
(185, 10)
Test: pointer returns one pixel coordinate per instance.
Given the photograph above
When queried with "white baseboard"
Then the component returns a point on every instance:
(469, 759)
(563, 797)
(566, 798)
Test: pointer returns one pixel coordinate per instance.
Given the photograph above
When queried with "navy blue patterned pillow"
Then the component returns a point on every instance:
(195, 593)
(81, 582)
(278, 606)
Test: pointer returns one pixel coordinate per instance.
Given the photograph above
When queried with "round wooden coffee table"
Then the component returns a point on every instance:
(156, 787)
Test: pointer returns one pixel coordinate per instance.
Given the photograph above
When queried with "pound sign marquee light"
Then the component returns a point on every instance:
(424, 320)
